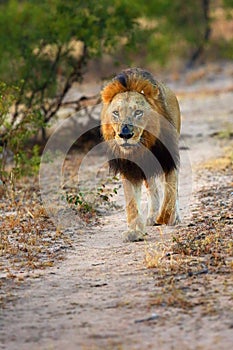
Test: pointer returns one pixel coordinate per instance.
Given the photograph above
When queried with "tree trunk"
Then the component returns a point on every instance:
(197, 53)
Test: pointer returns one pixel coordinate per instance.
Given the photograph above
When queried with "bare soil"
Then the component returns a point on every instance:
(173, 291)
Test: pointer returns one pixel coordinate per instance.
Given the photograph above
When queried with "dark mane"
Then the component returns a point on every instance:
(153, 162)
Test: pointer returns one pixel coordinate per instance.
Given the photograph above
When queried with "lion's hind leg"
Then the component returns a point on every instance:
(169, 212)
(153, 201)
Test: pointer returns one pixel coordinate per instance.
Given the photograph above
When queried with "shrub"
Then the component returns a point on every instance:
(44, 49)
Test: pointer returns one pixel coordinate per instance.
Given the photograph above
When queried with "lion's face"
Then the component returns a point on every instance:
(130, 122)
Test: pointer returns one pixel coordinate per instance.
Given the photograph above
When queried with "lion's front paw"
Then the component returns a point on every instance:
(133, 236)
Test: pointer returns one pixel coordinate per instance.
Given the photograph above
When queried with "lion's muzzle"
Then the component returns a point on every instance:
(126, 131)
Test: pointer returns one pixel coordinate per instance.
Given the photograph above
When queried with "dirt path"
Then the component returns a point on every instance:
(102, 296)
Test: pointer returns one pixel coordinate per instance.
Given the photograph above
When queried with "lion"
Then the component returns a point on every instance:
(140, 122)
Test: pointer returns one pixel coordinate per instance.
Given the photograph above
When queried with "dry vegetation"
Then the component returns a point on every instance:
(28, 240)
(194, 255)
(185, 265)
(195, 266)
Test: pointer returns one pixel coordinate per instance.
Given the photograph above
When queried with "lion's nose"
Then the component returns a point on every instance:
(126, 133)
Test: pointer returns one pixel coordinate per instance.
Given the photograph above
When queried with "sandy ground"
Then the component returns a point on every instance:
(101, 296)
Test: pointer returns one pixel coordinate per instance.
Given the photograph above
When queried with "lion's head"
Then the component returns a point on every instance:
(130, 115)
(129, 122)
(138, 116)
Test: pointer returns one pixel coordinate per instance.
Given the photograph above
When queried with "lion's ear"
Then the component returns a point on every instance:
(144, 87)
(122, 79)
(150, 91)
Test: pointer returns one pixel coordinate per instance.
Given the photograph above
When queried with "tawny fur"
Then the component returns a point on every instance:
(154, 137)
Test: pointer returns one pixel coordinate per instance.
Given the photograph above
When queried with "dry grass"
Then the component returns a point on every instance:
(200, 253)
(225, 162)
(208, 238)
(28, 239)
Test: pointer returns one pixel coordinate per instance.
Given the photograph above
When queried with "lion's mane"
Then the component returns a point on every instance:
(164, 147)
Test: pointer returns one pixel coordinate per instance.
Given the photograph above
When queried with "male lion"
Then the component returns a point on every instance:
(140, 121)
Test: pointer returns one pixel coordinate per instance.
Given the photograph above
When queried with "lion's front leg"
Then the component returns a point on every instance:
(136, 229)
(169, 212)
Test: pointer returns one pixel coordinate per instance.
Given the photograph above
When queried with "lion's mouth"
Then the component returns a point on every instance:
(128, 145)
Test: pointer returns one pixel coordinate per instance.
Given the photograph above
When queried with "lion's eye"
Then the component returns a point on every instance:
(138, 113)
(115, 115)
